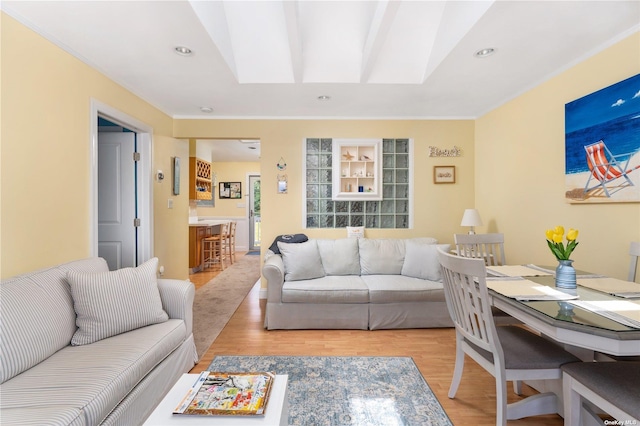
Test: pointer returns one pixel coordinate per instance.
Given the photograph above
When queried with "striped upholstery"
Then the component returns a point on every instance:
(37, 315)
(96, 377)
(43, 416)
(110, 303)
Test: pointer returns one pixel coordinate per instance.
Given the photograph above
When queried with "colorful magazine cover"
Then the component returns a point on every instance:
(228, 394)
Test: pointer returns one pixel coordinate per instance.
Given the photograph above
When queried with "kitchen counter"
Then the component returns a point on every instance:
(197, 232)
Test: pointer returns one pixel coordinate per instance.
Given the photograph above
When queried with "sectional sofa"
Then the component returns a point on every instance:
(355, 283)
(84, 346)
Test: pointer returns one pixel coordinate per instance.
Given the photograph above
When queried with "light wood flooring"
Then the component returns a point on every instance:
(431, 349)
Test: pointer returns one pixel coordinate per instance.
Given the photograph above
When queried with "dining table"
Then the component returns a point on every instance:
(600, 316)
(599, 320)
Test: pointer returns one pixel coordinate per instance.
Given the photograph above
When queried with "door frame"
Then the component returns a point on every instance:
(145, 182)
(250, 219)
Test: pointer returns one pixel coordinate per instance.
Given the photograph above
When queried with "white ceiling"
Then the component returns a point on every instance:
(375, 59)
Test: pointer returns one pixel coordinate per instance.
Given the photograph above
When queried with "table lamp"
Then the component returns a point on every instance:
(471, 218)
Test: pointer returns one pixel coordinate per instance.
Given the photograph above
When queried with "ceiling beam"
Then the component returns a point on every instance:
(380, 25)
(292, 22)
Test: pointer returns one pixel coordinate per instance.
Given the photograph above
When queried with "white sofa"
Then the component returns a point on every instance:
(84, 346)
(355, 283)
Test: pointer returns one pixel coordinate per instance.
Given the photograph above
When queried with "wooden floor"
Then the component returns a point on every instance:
(431, 349)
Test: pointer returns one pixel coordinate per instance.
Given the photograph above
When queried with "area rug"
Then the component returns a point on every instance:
(217, 300)
(348, 391)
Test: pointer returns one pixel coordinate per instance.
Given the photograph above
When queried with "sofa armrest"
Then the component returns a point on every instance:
(273, 271)
(177, 300)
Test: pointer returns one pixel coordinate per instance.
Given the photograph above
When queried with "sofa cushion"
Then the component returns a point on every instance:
(340, 257)
(381, 256)
(421, 260)
(398, 288)
(329, 289)
(301, 260)
(37, 315)
(110, 303)
(94, 378)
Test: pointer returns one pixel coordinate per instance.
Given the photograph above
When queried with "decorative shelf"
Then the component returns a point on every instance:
(357, 169)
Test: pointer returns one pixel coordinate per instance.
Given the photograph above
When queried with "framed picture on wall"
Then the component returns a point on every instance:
(230, 190)
(444, 174)
(176, 175)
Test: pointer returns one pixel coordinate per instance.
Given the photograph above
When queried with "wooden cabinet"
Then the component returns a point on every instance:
(200, 184)
(196, 234)
(357, 169)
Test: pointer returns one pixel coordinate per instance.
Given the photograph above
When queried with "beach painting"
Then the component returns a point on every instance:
(602, 145)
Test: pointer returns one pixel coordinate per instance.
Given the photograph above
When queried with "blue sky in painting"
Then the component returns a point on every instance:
(612, 102)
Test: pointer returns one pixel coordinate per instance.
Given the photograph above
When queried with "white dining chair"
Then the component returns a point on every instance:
(508, 353)
(634, 252)
(489, 247)
(611, 386)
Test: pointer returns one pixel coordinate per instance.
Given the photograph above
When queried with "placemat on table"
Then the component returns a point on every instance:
(516, 271)
(613, 286)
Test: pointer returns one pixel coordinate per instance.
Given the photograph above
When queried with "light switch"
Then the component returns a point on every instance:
(170, 203)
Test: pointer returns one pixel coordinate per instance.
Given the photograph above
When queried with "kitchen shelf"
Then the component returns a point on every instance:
(200, 185)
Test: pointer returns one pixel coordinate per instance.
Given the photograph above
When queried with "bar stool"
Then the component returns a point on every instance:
(230, 244)
(213, 248)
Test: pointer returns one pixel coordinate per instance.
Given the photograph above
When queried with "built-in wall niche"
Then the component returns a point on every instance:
(357, 169)
(392, 211)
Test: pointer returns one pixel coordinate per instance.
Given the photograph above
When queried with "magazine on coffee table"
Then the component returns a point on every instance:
(228, 394)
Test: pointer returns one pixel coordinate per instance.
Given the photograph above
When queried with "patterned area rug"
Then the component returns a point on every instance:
(348, 391)
(217, 300)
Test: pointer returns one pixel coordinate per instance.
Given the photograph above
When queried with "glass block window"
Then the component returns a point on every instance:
(391, 212)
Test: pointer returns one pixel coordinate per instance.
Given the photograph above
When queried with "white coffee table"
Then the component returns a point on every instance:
(277, 413)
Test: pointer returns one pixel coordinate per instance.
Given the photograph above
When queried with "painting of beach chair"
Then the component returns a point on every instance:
(606, 167)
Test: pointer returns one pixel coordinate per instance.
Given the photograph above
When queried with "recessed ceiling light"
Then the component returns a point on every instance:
(207, 110)
(483, 53)
(184, 51)
(251, 147)
(324, 98)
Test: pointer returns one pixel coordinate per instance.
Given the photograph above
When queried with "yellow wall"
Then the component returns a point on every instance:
(233, 171)
(512, 166)
(437, 210)
(46, 95)
(520, 171)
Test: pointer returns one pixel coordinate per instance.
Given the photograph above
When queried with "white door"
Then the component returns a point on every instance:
(117, 199)
(255, 225)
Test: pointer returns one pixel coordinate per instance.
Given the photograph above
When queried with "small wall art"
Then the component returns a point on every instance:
(282, 184)
(176, 175)
(444, 174)
(230, 190)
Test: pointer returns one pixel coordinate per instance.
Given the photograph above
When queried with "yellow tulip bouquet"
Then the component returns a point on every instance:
(555, 237)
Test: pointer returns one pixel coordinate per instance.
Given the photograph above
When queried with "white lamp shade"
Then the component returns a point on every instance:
(471, 217)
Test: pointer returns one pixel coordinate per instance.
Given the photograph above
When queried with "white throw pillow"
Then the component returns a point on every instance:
(301, 261)
(340, 257)
(421, 260)
(355, 231)
(111, 303)
(380, 256)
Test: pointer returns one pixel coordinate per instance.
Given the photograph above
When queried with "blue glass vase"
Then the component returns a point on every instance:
(565, 274)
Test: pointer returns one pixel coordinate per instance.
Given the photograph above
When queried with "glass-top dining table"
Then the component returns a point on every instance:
(602, 315)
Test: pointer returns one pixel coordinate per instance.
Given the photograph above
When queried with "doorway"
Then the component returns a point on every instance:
(255, 225)
(122, 235)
